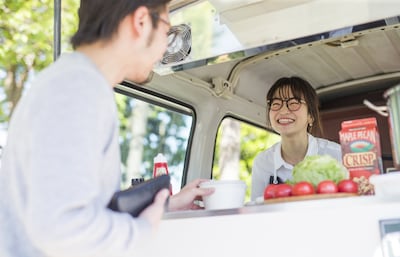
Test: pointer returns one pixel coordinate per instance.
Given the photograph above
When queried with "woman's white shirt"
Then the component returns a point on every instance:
(270, 162)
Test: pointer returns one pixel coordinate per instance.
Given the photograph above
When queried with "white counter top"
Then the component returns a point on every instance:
(332, 227)
(274, 207)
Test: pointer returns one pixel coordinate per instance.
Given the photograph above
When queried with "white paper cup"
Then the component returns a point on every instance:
(228, 194)
(386, 186)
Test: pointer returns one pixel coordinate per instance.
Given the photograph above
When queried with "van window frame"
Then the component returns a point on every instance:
(139, 92)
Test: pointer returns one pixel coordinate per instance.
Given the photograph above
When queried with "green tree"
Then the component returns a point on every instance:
(155, 130)
(26, 39)
(253, 140)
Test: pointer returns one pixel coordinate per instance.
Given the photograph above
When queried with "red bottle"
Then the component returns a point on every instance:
(161, 168)
(160, 165)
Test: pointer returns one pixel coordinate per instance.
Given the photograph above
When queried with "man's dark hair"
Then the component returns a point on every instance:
(99, 19)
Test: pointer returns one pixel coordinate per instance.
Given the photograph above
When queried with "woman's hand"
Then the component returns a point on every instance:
(184, 200)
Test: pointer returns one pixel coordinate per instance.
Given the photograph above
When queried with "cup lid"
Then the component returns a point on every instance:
(222, 182)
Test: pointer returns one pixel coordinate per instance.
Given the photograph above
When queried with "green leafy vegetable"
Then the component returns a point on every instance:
(317, 168)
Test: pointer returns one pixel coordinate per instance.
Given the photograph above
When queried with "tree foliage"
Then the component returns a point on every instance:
(26, 38)
(253, 140)
(166, 132)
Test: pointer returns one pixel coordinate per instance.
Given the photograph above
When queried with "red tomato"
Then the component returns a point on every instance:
(303, 188)
(327, 187)
(348, 186)
(283, 190)
(270, 191)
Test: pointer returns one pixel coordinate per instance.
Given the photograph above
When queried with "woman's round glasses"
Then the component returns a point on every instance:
(293, 104)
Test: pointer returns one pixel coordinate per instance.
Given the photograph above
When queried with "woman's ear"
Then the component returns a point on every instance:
(310, 120)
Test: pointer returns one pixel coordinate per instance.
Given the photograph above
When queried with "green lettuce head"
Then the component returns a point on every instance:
(317, 168)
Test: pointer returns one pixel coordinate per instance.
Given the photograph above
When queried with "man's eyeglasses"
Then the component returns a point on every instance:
(172, 35)
(293, 104)
(156, 16)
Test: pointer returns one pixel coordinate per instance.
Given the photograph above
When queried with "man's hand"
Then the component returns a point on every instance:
(184, 200)
(154, 212)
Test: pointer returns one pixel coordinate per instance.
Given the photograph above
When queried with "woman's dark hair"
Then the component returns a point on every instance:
(301, 89)
(99, 19)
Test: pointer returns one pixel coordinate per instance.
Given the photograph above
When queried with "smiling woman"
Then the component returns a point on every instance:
(293, 113)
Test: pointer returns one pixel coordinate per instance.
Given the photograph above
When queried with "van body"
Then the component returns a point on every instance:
(348, 50)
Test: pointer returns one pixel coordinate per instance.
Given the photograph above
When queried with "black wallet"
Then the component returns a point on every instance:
(135, 199)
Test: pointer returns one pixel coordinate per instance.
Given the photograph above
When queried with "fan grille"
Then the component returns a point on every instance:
(181, 46)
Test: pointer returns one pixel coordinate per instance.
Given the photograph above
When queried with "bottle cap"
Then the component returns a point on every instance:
(160, 158)
(136, 181)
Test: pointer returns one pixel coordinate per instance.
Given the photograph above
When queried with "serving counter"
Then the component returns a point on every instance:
(351, 226)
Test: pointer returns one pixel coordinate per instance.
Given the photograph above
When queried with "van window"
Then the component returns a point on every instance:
(237, 144)
(149, 127)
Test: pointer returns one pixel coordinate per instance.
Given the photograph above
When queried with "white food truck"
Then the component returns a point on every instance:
(224, 57)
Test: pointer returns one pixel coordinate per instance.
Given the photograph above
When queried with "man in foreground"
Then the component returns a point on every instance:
(61, 163)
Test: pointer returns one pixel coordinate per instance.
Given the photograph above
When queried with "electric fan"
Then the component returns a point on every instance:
(179, 44)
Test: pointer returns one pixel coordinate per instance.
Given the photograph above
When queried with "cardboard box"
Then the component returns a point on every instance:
(361, 149)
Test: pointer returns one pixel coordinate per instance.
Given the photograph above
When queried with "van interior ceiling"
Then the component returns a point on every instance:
(346, 63)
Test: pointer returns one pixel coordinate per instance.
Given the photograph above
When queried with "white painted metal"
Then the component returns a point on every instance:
(347, 227)
(257, 23)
